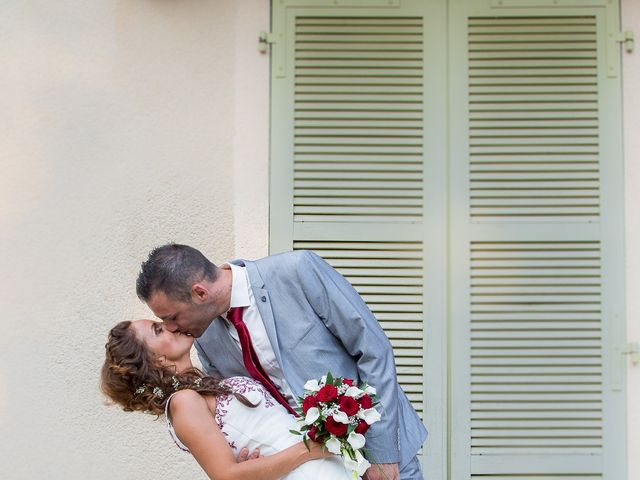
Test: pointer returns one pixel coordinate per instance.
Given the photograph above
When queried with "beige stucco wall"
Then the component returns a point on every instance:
(125, 124)
(631, 105)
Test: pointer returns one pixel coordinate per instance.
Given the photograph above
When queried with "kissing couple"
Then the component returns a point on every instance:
(262, 330)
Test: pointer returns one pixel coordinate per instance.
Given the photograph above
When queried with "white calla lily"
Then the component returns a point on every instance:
(370, 390)
(312, 415)
(371, 415)
(353, 392)
(312, 386)
(363, 463)
(341, 417)
(358, 466)
(333, 445)
(356, 440)
(350, 465)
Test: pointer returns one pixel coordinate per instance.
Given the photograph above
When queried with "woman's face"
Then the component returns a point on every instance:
(174, 347)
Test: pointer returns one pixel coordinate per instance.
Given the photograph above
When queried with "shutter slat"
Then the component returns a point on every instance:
(315, 132)
(360, 201)
(370, 124)
(363, 184)
(532, 333)
(564, 415)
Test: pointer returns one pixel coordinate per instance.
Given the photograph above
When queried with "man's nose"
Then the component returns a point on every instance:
(170, 325)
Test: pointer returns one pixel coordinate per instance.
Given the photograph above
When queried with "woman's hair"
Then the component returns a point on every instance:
(132, 378)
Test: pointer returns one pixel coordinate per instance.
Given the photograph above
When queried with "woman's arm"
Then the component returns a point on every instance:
(197, 429)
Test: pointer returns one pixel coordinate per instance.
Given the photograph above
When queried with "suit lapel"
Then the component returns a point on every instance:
(263, 303)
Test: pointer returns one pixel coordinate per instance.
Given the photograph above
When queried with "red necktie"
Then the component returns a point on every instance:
(250, 358)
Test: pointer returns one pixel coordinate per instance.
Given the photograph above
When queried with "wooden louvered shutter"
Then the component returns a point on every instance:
(536, 242)
(349, 174)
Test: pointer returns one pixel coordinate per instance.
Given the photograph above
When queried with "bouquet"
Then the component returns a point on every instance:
(336, 413)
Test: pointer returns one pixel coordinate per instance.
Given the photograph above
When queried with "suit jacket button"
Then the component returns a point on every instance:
(263, 298)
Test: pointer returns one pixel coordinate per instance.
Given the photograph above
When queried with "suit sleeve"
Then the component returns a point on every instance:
(349, 319)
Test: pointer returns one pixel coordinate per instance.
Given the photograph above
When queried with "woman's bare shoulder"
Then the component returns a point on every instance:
(187, 400)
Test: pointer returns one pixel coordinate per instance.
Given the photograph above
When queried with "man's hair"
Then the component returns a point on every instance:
(173, 269)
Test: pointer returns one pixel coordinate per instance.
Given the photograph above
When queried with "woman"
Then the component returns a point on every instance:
(149, 369)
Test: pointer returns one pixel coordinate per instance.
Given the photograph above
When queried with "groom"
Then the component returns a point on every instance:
(302, 319)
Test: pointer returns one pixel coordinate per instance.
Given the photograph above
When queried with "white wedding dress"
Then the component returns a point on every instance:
(265, 427)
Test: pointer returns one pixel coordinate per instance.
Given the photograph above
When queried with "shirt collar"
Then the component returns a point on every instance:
(239, 287)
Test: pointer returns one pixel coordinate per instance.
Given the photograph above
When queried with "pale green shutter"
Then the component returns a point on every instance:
(349, 175)
(513, 235)
(536, 242)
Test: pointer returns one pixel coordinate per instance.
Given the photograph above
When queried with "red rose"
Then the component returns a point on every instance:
(327, 393)
(316, 435)
(335, 427)
(309, 402)
(349, 406)
(348, 381)
(365, 401)
(362, 427)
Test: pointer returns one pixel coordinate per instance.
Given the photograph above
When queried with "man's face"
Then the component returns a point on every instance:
(190, 318)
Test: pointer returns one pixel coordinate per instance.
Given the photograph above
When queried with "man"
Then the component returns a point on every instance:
(303, 318)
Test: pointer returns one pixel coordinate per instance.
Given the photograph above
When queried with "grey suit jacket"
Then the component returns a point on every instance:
(316, 323)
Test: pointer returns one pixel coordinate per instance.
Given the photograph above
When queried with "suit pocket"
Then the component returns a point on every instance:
(307, 335)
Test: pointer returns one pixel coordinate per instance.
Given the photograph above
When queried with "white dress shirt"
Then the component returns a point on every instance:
(242, 296)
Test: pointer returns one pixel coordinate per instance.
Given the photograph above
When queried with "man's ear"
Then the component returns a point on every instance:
(199, 292)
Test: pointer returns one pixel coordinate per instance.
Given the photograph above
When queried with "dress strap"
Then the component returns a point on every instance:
(172, 431)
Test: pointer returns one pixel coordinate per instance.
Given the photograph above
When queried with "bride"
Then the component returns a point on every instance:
(149, 369)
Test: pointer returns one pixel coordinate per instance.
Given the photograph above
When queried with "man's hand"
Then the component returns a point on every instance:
(383, 471)
(244, 455)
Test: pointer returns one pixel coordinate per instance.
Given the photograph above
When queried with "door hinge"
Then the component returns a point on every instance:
(626, 38)
(266, 39)
(633, 350)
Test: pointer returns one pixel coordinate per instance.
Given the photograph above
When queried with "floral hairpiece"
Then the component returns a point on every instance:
(159, 393)
(175, 383)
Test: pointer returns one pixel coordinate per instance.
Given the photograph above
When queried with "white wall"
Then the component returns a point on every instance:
(631, 105)
(125, 124)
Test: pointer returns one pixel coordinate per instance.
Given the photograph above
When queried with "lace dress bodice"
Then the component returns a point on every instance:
(266, 426)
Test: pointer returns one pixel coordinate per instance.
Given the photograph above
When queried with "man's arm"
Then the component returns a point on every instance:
(348, 318)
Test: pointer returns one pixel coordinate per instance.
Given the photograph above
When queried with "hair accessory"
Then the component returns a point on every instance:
(198, 382)
(175, 383)
(157, 392)
(140, 390)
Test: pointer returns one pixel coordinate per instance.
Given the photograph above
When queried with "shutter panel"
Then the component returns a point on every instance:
(349, 177)
(536, 232)
(358, 119)
(533, 125)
